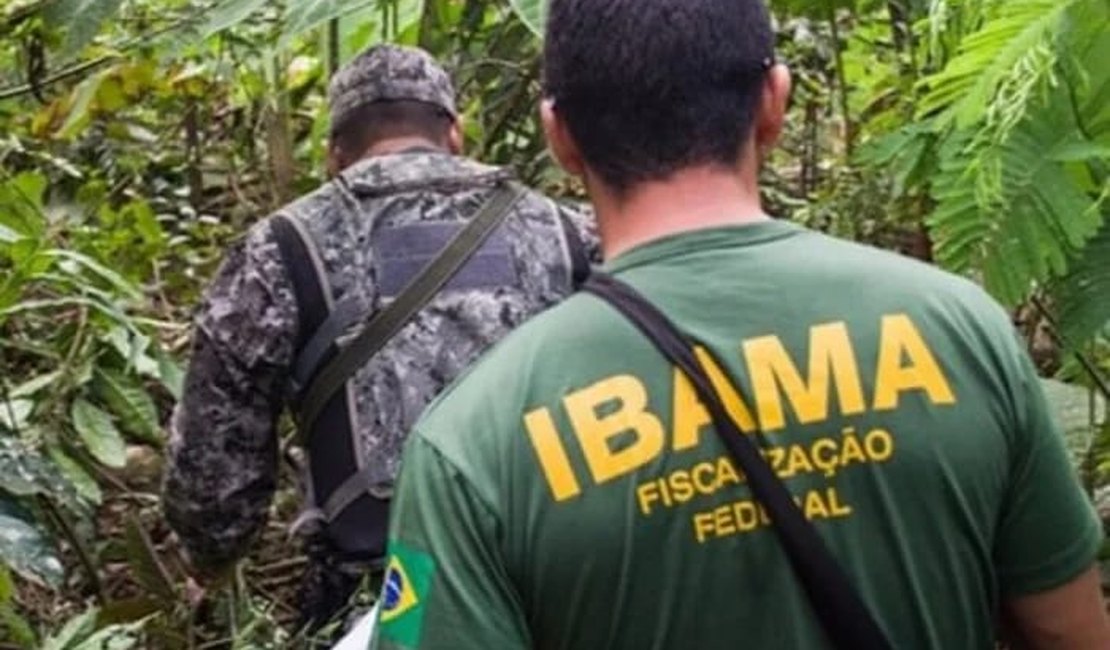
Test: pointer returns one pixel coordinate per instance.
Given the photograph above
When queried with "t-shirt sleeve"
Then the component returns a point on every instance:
(445, 586)
(1049, 532)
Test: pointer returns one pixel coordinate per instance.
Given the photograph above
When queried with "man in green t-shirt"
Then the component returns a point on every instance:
(570, 493)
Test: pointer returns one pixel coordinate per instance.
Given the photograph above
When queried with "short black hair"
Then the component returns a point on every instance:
(649, 87)
(371, 123)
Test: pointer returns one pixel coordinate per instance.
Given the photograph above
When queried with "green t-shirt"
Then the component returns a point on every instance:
(568, 493)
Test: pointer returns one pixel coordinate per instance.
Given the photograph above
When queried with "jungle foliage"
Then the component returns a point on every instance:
(141, 138)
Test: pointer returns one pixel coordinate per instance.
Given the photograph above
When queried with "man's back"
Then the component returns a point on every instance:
(600, 511)
(372, 230)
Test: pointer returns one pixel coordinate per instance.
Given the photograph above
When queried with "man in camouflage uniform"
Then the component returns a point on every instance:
(393, 155)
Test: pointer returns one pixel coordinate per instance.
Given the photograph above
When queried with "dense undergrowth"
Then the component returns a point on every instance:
(141, 137)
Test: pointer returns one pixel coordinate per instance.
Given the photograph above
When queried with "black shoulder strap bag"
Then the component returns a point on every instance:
(844, 616)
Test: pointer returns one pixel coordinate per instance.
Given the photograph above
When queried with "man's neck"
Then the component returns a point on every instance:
(401, 144)
(692, 199)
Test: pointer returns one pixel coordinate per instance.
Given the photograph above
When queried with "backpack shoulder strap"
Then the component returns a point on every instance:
(301, 261)
(388, 321)
(836, 603)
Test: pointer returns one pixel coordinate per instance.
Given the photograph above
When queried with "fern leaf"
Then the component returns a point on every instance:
(1082, 297)
(1012, 213)
(992, 57)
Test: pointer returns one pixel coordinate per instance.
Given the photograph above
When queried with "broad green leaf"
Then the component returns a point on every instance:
(79, 20)
(533, 13)
(228, 14)
(129, 401)
(99, 434)
(303, 15)
(80, 109)
(73, 472)
(26, 549)
(24, 471)
(20, 468)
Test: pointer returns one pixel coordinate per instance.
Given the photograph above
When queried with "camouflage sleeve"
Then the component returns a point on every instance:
(581, 216)
(222, 459)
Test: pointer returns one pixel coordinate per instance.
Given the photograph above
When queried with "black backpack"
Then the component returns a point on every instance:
(345, 518)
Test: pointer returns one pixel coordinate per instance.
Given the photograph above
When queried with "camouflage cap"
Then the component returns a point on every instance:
(389, 72)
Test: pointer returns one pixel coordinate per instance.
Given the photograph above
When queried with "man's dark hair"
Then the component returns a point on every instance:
(382, 120)
(649, 87)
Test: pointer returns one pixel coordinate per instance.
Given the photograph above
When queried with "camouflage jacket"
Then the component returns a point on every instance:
(223, 454)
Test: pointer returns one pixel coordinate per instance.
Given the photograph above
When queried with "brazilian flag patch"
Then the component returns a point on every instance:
(404, 594)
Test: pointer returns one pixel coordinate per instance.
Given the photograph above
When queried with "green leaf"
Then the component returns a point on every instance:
(19, 630)
(25, 548)
(99, 434)
(7, 587)
(170, 374)
(8, 236)
(1006, 211)
(149, 571)
(73, 472)
(130, 402)
(129, 610)
(80, 20)
(21, 207)
(113, 637)
(990, 56)
(80, 109)
(97, 269)
(533, 13)
(75, 629)
(24, 471)
(109, 310)
(811, 8)
(32, 386)
(303, 15)
(228, 14)
(1081, 152)
(14, 413)
(1082, 296)
(132, 348)
(20, 468)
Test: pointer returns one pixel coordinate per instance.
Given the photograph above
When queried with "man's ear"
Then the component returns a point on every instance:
(559, 139)
(772, 108)
(455, 137)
